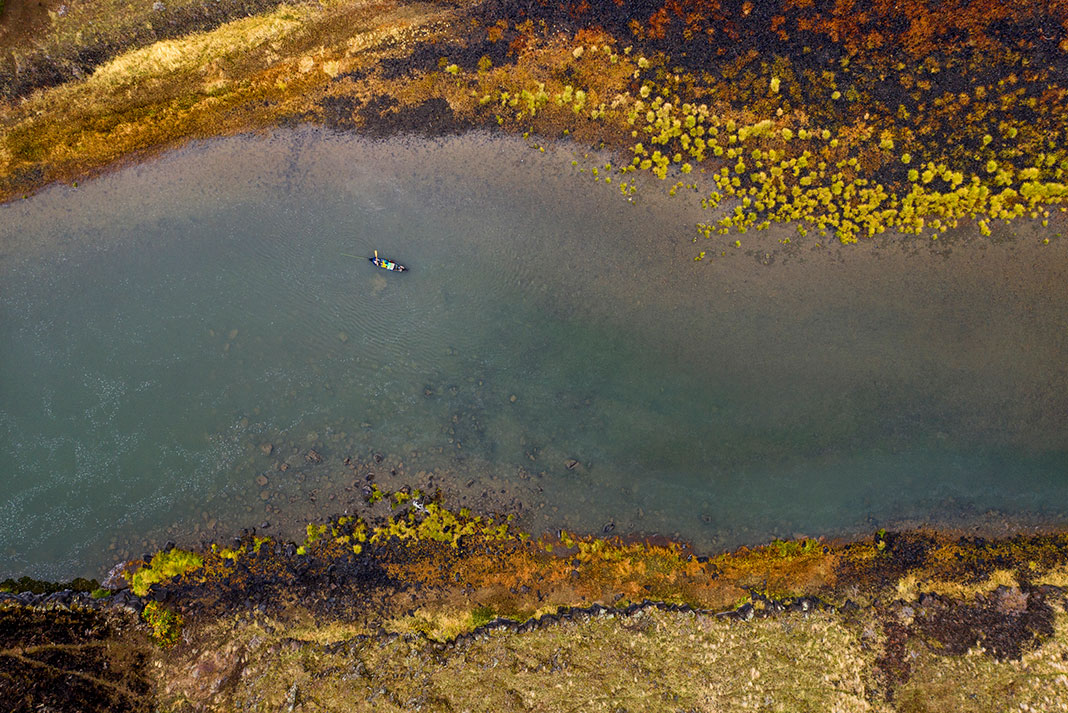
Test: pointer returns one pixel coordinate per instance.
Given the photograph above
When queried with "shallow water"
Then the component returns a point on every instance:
(160, 325)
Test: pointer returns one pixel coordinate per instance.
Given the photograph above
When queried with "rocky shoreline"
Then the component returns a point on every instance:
(70, 599)
(904, 609)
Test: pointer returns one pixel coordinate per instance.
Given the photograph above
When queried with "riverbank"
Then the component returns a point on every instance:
(837, 121)
(422, 608)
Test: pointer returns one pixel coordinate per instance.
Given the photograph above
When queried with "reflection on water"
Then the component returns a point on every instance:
(176, 339)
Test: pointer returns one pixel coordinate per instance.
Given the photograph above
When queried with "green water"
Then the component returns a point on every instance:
(160, 326)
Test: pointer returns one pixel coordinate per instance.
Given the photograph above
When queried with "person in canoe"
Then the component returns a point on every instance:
(387, 264)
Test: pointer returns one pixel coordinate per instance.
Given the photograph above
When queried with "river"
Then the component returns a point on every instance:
(188, 348)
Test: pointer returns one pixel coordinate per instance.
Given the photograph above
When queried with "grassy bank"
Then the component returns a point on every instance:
(646, 661)
(413, 606)
(246, 74)
(846, 121)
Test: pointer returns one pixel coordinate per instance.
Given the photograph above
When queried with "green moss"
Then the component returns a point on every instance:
(314, 532)
(166, 624)
(376, 494)
(793, 548)
(163, 566)
(482, 615)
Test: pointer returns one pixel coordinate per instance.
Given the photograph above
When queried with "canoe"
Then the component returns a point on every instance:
(386, 264)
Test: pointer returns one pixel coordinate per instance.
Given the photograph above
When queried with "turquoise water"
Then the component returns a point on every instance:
(159, 327)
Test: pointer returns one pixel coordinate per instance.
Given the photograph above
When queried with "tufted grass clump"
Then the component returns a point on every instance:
(164, 566)
(482, 615)
(346, 534)
(166, 625)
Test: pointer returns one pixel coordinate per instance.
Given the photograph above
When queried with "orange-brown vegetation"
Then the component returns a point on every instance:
(438, 561)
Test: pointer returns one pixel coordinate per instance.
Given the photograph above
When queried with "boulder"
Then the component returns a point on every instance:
(115, 581)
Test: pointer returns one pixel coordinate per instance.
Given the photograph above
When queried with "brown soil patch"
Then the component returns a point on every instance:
(69, 659)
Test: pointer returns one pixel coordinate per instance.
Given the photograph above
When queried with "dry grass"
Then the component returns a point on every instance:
(912, 585)
(246, 74)
(435, 623)
(196, 52)
(976, 683)
(641, 663)
(1056, 577)
(650, 661)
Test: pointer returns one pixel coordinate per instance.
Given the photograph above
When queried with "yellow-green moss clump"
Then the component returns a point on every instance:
(773, 160)
(164, 565)
(165, 625)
